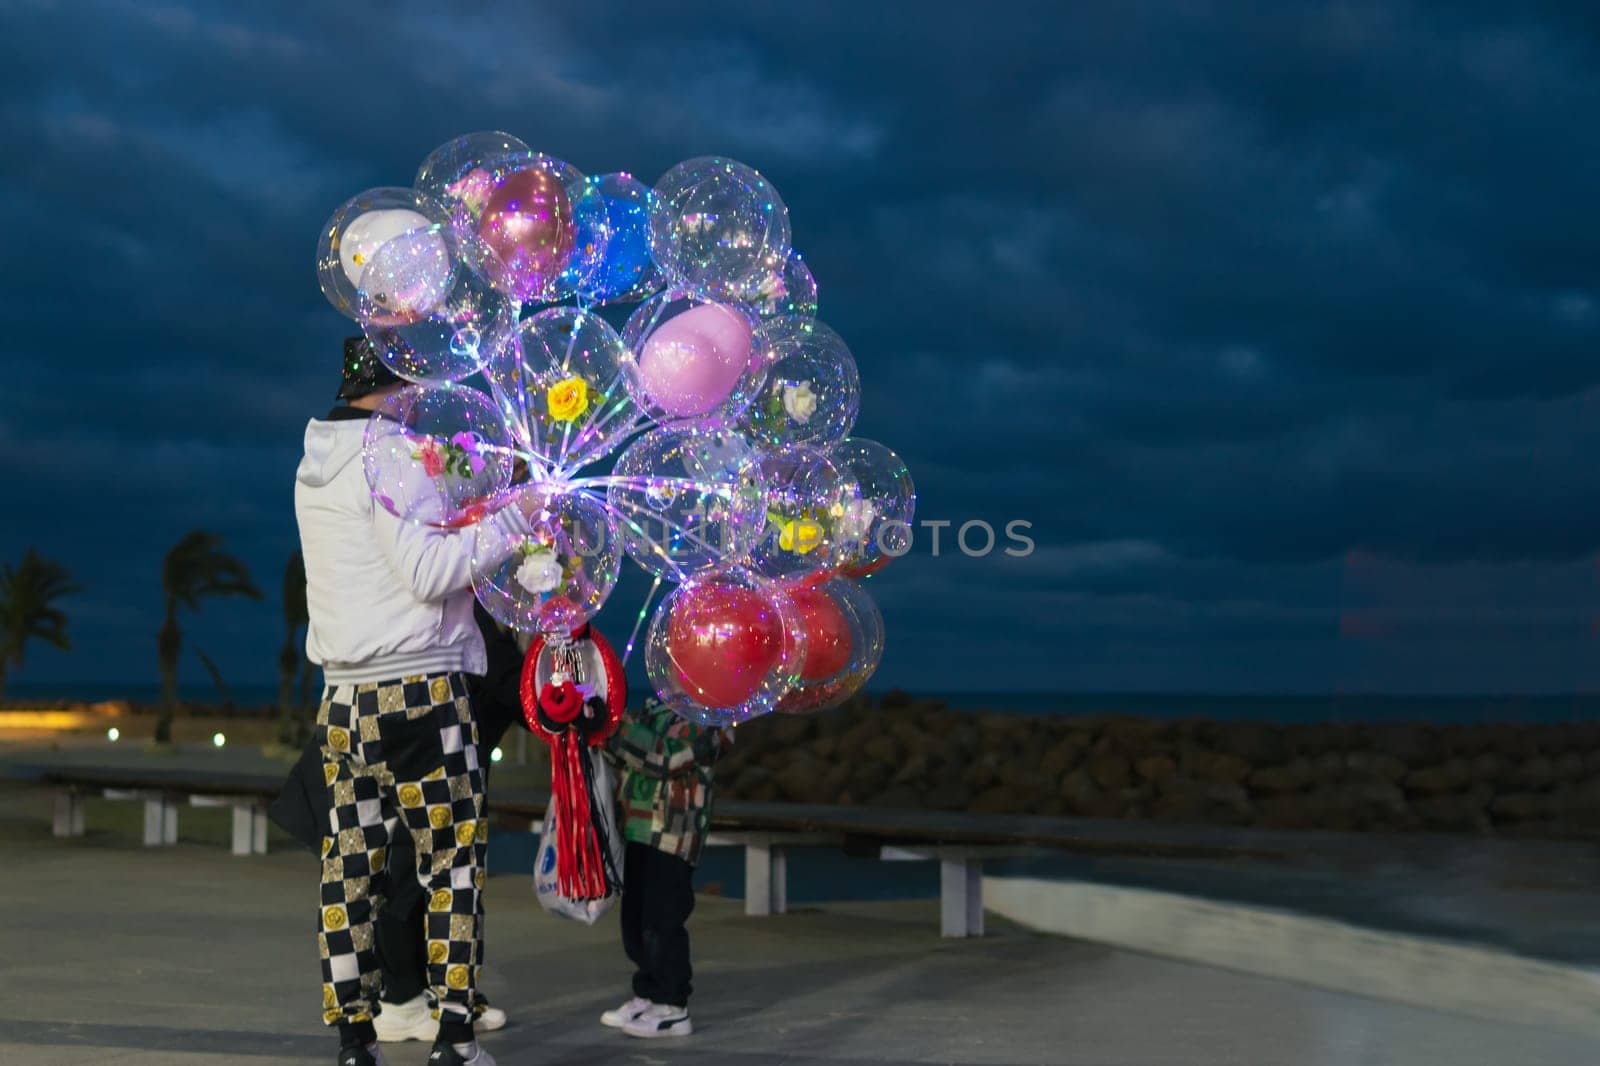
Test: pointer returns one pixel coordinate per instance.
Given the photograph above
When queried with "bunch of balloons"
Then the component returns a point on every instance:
(726, 405)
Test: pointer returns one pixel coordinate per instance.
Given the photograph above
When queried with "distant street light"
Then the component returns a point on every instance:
(113, 734)
(218, 740)
(496, 755)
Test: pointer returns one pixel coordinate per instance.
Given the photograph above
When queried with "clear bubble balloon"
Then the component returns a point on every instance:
(725, 648)
(874, 527)
(812, 391)
(844, 644)
(592, 235)
(563, 384)
(783, 288)
(447, 174)
(438, 456)
(431, 320)
(714, 224)
(363, 224)
(528, 227)
(804, 499)
(552, 570)
(626, 272)
(687, 498)
(693, 358)
(514, 213)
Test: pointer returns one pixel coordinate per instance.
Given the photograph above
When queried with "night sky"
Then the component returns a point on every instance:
(1278, 321)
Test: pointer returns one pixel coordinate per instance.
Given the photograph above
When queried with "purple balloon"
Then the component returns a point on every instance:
(691, 363)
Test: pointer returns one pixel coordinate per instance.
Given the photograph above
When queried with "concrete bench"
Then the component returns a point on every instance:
(68, 818)
(249, 821)
(161, 814)
(766, 865)
(960, 881)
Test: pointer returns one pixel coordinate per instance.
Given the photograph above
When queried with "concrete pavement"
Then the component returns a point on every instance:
(118, 954)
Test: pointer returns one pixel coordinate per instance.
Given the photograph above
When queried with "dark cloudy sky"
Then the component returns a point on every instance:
(1278, 321)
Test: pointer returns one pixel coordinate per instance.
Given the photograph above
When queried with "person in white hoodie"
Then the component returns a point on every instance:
(392, 627)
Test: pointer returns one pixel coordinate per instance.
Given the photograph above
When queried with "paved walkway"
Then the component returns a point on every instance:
(117, 954)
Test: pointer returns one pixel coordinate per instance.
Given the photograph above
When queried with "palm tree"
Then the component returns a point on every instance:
(292, 724)
(27, 595)
(193, 570)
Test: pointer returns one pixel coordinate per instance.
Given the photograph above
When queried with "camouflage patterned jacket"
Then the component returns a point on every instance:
(668, 775)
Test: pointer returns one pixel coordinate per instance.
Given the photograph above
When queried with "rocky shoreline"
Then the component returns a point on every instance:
(1506, 778)
(1528, 780)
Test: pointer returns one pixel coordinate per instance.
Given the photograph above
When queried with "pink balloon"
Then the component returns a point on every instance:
(692, 362)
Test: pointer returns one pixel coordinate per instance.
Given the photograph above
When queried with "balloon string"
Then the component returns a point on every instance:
(644, 609)
(597, 423)
(576, 456)
(572, 342)
(655, 318)
(666, 523)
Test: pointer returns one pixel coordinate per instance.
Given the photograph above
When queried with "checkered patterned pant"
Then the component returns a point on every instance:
(401, 752)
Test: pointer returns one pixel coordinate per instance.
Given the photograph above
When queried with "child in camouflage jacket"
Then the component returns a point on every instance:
(668, 776)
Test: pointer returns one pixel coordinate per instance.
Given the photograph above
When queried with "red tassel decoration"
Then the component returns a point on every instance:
(557, 710)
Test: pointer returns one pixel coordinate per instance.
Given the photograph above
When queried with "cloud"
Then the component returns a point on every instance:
(1215, 301)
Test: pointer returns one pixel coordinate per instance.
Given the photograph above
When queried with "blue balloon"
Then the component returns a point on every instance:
(627, 272)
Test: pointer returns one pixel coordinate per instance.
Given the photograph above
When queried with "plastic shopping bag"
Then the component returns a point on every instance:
(602, 805)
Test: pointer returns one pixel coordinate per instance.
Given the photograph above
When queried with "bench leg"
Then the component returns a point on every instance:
(243, 828)
(258, 831)
(68, 821)
(766, 880)
(960, 897)
(160, 822)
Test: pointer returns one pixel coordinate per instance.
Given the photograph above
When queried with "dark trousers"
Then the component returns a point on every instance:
(657, 899)
(399, 932)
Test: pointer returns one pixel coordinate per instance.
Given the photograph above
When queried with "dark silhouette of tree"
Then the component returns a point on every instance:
(294, 725)
(28, 592)
(194, 570)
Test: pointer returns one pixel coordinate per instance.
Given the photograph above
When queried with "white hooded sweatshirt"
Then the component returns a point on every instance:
(387, 598)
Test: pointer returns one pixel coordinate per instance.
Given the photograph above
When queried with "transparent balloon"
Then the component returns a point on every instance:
(714, 224)
(725, 648)
(514, 213)
(529, 230)
(363, 224)
(563, 386)
(805, 497)
(445, 175)
(874, 527)
(687, 498)
(431, 320)
(693, 358)
(812, 391)
(438, 456)
(835, 668)
(592, 236)
(552, 569)
(627, 272)
(783, 288)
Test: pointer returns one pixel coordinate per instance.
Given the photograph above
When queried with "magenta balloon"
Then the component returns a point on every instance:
(692, 362)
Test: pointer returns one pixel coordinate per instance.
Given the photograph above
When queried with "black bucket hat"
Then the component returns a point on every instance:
(364, 372)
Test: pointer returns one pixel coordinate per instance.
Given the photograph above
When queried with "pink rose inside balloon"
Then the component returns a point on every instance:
(691, 364)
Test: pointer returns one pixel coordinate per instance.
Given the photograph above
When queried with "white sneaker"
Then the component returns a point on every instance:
(454, 1055)
(411, 1020)
(414, 1020)
(660, 1020)
(626, 1013)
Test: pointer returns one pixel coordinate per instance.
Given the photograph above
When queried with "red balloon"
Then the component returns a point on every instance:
(724, 640)
(827, 633)
(528, 225)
